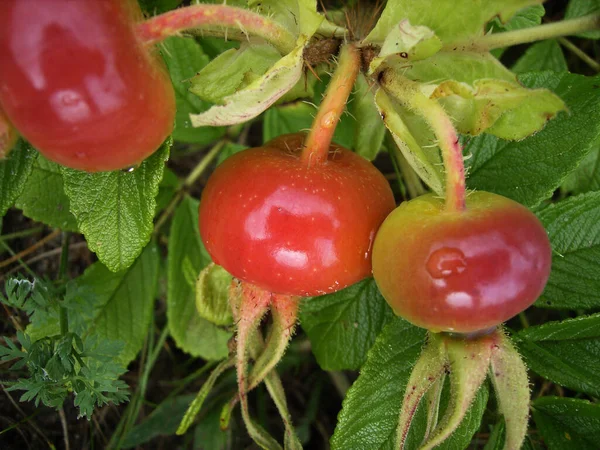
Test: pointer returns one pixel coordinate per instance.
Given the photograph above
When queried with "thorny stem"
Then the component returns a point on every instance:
(316, 147)
(526, 35)
(215, 20)
(407, 92)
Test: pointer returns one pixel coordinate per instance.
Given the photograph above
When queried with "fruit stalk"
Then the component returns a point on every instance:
(526, 35)
(316, 146)
(407, 92)
(215, 20)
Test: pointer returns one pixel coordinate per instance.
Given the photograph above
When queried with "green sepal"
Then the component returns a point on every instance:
(212, 292)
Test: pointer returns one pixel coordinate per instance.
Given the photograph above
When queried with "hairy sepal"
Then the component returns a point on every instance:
(469, 361)
(212, 295)
(509, 378)
(248, 103)
(414, 139)
(428, 371)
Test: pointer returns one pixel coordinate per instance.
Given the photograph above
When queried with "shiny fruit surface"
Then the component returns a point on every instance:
(79, 86)
(461, 271)
(271, 220)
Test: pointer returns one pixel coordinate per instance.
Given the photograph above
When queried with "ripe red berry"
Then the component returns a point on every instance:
(461, 271)
(271, 220)
(78, 85)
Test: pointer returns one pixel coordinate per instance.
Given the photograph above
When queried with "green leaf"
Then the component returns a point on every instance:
(290, 118)
(233, 70)
(166, 189)
(370, 410)
(587, 175)
(185, 58)
(574, 232)
(369, 130)
(463, 435)
(209, 436)
(449, 20)
(567, 353)
(546, 158)
(212, 295)
(112, 306)
(259, 95)
(163, 421)
(343, 326)
(300, 17)
(545, 55)
(229, 150)
(191, 333)
(413, 139)
(14, 171)
(567, 423)
(114, 210)
(44, 199)
(578, 8)
(525, 18)
(154, 7)
(497, 437)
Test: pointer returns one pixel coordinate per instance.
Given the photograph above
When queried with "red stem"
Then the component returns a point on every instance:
(215, 19)
(318, 141)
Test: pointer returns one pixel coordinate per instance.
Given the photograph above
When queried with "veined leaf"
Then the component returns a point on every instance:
(343, 326)
(567, 423)
(249, 102)
(449, 20)
(572, 227)
(191, 333)
(114, 210)
(545, 55)
(14, 171)
(567, 352)
(44, 199)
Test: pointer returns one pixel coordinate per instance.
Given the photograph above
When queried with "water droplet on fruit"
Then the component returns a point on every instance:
(446, 262)
(131, 169)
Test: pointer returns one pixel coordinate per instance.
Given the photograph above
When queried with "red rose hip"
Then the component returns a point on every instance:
(461, 271)
(76, 82)
(271, 220)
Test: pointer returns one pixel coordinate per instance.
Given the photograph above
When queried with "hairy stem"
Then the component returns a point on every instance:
(407, 92)
(215, 20)
(316, 147)
(526, 35)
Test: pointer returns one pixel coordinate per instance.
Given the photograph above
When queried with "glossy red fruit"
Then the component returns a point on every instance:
(461, 271)
(270, 220)
(78, 85)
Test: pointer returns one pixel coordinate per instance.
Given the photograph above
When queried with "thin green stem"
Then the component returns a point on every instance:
(595, 65)
(216, 20)
(526, 35)
(20, 234)
(318, 141)
(407, 92)
(62, 275)
(188, 182)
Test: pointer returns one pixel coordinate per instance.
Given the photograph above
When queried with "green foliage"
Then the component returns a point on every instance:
(370, 411)
(343, 326)
(62, 363)
(546, 158)
(114, 210)
(14, 171)
(572, 227)
(191, 333)
(578, 8)
(184, 58)
(567, 352)
(567, 423)
(43, 197)
(545, 55)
